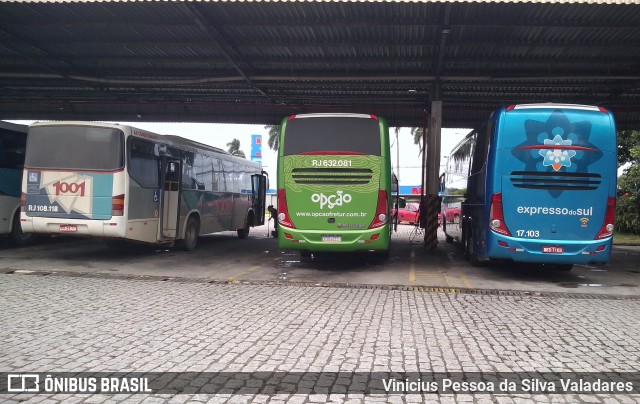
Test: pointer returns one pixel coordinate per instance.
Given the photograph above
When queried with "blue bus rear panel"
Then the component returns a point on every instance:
(554, 167)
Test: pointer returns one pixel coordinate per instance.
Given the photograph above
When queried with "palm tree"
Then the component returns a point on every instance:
(417, 137)
(274, 134)
(234, 148)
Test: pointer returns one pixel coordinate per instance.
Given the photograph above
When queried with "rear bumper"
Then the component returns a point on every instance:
(528, 250)
(350, 240)
(114, 227)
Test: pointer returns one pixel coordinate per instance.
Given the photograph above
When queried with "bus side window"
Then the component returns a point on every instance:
(188, 171)
(14, 148)
(228, 175)
(202, 167)
(143, 164)
(479, 164)
(217, 174)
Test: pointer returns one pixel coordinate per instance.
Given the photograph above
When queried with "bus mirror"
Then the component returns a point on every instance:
(402, 203)
(394, 183)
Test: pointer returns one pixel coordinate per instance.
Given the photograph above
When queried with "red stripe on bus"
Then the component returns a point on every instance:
(555, 147)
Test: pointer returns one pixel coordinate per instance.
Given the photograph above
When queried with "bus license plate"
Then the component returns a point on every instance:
(331, 239)
(68, 228)
(552, 249)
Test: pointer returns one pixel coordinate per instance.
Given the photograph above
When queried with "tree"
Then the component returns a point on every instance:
(628, 201)
(274, 134)
(234, 148)
(418, 133)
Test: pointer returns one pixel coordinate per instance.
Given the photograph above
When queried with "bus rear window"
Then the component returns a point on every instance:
(329, 134)
(12, 145)
(75, 148)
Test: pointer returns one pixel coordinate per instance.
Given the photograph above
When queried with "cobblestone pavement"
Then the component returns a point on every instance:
(73, 323)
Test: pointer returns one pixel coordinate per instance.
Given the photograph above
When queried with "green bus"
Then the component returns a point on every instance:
(334, 183)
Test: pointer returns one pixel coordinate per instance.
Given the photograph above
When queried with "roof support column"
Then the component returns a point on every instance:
(431, 206)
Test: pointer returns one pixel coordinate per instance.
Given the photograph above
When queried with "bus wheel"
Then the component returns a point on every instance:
(190, 235)
(447, 238)
(17, 236)
(244, 232)
(465, 246)
(471, 252)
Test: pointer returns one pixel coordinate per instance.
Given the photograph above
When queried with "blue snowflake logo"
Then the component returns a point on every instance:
(557, 157)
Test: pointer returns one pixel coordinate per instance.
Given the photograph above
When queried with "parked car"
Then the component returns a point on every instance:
(409, 213)
(452, 214)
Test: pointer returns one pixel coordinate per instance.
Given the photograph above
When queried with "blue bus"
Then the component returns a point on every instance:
(13, 139)
(540, 186)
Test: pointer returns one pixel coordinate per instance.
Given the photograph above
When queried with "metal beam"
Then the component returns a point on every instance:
(224, 45)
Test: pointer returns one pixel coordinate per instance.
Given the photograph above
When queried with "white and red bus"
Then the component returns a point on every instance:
(123, 183)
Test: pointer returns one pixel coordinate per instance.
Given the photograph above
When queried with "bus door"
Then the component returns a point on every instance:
(170, 197)
(259, 197)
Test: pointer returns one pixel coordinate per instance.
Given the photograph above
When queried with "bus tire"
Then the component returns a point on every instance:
(17, 236)
(448, 239)
(465, 247)
(244, 232)
(191, 232)
(471, 252)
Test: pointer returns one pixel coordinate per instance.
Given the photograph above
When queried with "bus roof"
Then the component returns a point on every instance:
(551, 105)
(14, 127)
(168, 139)
(333, 115)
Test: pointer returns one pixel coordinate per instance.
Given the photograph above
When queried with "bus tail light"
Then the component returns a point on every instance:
(609, 218)
(381, 210)
(117, 205)
(283, 210)
(496, 216)
(23, 201)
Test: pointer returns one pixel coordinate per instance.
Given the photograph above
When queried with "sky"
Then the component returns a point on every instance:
(219, 135)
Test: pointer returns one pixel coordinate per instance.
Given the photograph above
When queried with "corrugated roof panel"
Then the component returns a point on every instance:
(181, 58)
(339, 1)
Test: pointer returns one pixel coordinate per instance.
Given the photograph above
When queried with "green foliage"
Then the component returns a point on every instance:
(628, 201)
(274, 136)
(628, 146)
(234, 148)
(418, 133)
(627, 214)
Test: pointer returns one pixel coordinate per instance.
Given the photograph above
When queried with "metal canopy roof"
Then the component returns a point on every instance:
(256, 62)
